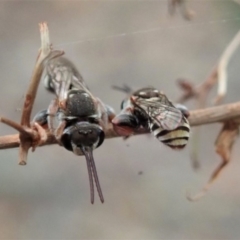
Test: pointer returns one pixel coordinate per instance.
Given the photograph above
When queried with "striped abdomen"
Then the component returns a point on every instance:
(177, 138)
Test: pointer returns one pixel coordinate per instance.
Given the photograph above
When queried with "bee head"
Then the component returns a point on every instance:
(125, 124)
(82, 135)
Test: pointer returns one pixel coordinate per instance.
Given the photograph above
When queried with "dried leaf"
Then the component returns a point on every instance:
(223, 146)
(226, 139)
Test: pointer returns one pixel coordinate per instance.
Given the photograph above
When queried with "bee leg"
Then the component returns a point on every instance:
(52, 110)
(59, 131)
(42, 135)
(39, 124)
(106, 113)
(183, 109)
(62, 104)
(124, 88)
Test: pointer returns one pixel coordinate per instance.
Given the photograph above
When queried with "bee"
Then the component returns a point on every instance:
(151, 110)
(76, 117)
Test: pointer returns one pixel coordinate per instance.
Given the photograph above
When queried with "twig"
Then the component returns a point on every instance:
(34, 135)
(199, 92)
(222, 67)
(223, 147)
(16, 126)
(45, 53)
(197, 117)
(28, 137)
(219, 73)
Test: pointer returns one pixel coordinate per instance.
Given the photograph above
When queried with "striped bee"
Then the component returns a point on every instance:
(151, 110)
(76, 117)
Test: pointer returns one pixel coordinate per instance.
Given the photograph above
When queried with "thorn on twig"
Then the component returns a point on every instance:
(16, 126)
(42, 136)
(44, 55)
(219, 98)
(23, 151)
(223, 146)
(186, 85)
(188, 88)
(200, 93)
(33, 136)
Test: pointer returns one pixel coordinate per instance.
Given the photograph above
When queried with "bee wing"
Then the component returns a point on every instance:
(63, 76)
(167, 117)
(60, 78)
(78, 82)
(163, 113)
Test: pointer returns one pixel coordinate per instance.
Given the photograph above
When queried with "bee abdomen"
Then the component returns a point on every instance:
(176, 139)
(178, 142)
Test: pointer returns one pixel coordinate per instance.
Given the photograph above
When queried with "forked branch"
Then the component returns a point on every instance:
(32, 135)
(197, 117)
(28, 137)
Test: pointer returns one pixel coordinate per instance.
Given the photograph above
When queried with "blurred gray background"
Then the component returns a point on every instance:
(49, 198)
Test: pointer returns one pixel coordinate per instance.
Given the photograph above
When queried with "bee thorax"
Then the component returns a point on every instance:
(80, 104)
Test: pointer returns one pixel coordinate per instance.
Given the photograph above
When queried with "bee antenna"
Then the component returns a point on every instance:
(90, 174)
(95, 176)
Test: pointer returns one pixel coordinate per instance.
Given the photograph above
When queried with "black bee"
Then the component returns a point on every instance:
(149, 109)
(81, 118)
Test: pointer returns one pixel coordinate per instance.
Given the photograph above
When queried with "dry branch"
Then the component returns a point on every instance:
(222, 67)
(32, 135)
(200, 92)
(27, 136)
(223, 146)
(197, 117)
